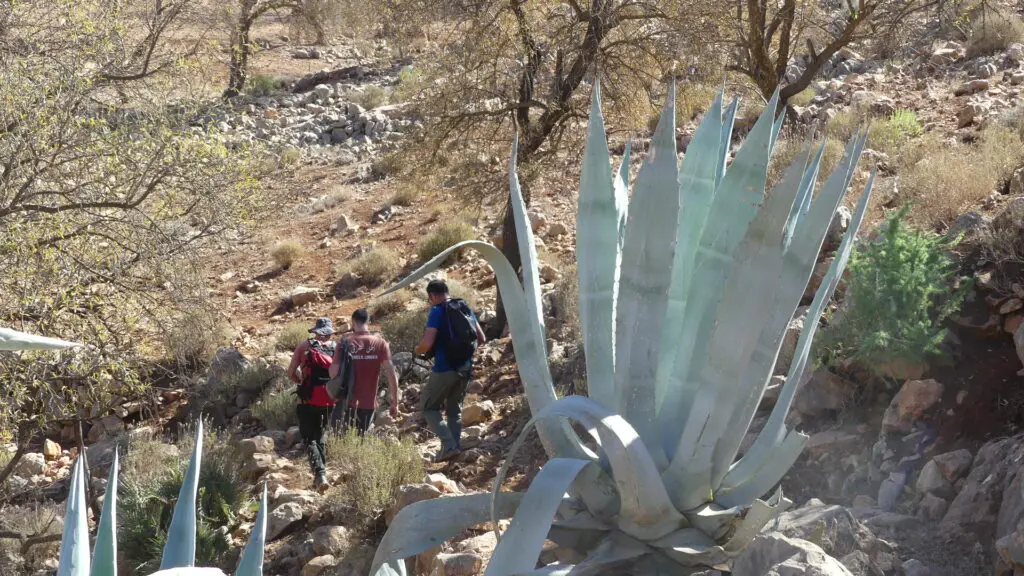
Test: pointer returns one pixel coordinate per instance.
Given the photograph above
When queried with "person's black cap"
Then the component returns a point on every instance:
(361, 316)
(437, 286)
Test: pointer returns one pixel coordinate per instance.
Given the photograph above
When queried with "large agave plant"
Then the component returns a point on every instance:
(686, 290)
(179, 551)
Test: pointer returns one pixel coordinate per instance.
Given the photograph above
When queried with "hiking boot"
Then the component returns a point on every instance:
(320, 482)
(447, 455)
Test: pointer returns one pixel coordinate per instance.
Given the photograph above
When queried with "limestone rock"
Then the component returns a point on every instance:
(461, 564)
(31, 464)
(330, 540)
(281, 518)
(482, 545)
(972, 87)
(256, 445)
(822, 392)
(537, 221)
(318, 565)
(789, 340)
(556, 229)
(915, 567)
(778, 555)
(302, 295)
(548, 273)
(840, 223)
(913, 402)
(478, 413)
(105, 427)
(410, 494)
(932, 508)
(954, 465)
(51, 450)
(293, 437)
(977, 506)
(443, 483)
(931, 481)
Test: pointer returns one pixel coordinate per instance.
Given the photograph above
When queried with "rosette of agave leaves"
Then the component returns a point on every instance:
(686, 287)
(179, 552)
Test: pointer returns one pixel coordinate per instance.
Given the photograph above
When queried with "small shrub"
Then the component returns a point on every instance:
(286, 253)
(843, 125)
(386, 165)
(405, 196)
(377, 265)
(370, 97)
(691, 100)
(803, 98)
(1003, 244)
(276, 409)
(290, 156)
(261, 85)
(992, 32)
(410, 84)
(404, 329)
(391, 304)
(891, 134)
(378, 466)
(192, 338)
(900, 290)
(566, 300)
(952, 179)
(444, 237)
(292, 335)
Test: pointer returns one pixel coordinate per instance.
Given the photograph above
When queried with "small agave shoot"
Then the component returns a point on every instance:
(686, 289)
(179, 551)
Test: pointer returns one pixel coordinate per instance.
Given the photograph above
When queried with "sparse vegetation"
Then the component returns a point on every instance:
(386, 165)
(286, 253)
(377, 265)
(276, 408)
(946, 181)
(803, 98)
(900, 290)
(292, 335)
(391, 304)
(691, 99)
(405, 196)
(993, 31)
(410, 84)
(262, 85)
(370, 97)
(193, 337)
(290, 156)
(1003, 244)
(446, 235)
(378, 466)
(566, 300)
(891, 134)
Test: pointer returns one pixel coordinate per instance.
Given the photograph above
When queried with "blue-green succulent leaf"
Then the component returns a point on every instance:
(622, 197)
(646, 274)
(180, 549)
(104, 556)
(598, 221)
(74, 543)
(14, 340)
(251, 562)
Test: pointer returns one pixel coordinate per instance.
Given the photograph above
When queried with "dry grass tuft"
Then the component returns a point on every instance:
(292, 335)
(946, 182)
(992, 32)
(286, 253)
(377, 468)
(444, 237)
(391, 304)
(405, 196)
(275, 409)
(377, 265)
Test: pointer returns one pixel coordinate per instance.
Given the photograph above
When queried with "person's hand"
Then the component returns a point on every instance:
(393, 410)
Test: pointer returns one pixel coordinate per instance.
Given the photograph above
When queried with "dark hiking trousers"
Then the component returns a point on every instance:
(312, 425)
(346, 416)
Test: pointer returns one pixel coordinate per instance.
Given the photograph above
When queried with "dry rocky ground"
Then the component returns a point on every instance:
(918, 475)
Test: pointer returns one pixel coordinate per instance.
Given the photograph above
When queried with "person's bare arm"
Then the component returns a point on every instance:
(429, 336)
(392, 375)
(296, 360)
(335, 364)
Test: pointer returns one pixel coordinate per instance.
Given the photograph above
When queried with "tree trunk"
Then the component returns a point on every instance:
(239, 64)
(23, 440)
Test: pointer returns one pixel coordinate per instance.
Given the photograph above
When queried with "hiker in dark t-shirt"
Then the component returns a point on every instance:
(447, 384)
(370, 352)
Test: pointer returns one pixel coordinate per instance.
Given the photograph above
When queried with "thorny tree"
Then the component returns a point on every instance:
(524, 62)
(105, 196)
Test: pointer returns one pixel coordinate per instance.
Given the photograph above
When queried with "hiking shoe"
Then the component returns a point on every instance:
(320, 482)
(447, 455)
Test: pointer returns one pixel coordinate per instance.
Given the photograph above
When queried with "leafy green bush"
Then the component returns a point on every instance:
(292, 335)
(262, 85)
(994, 31)
(146, 504)
(410, 83)
(900, 289)
(377, 467)
(290, 156)
(802, 98)
(370, 97)
(891, 134)
(276, 409)
(444, 237)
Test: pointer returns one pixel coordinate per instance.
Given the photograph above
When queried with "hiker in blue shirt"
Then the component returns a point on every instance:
(452, 334)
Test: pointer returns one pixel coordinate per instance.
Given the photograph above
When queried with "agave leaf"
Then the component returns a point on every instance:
(616, 549)
(647, 256)
(728, 121)
(528, 254)
(735, 205)
(520, 547)
(803, 199)
(696, 191)
(180, 549)
(645, 510)
(427, 524)
(774, 443)
(598, 224)
(251, 562)
(622, 197)
(14, 340)
(104, 556)
(192, 571)
(530, 351)
(74, 542)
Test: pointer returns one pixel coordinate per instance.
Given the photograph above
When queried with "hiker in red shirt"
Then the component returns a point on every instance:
(369, 353)
(314, 403)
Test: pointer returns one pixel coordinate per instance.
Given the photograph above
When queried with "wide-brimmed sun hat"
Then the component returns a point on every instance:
(323, 327)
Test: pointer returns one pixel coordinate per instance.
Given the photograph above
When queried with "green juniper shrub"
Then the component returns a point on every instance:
(900, 289)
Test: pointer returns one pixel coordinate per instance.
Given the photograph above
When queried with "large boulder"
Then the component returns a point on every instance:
(228, 364)
(330, 540)
(915, 400)
(980, 504)
(778, 555)
(256, 445)
(840, 533)
(31, 464)
(281, 518)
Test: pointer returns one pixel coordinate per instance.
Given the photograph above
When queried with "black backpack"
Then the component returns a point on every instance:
(340, 386)
(460, 340)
